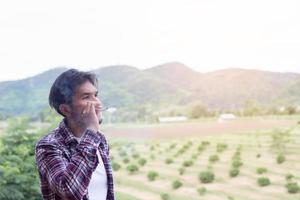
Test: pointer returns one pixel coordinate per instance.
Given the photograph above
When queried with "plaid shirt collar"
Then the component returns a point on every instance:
(69, 138)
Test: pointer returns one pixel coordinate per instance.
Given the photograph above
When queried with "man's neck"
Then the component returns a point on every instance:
(74, 128)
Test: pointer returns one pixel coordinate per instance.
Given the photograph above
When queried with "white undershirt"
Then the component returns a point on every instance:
(97, 188)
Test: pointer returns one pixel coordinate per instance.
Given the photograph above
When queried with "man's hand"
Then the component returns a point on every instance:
(90, 118)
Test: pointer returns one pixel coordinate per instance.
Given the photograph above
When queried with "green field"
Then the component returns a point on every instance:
(255, 149)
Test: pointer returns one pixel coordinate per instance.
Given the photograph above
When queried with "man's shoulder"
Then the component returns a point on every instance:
(51, 139)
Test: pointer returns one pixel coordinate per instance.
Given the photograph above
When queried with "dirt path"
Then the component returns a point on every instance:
(197, 129)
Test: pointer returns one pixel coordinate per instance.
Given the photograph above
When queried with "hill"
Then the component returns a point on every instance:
(167, 84)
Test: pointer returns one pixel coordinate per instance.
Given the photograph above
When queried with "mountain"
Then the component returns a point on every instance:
(230, 88)
(27, 95)
(170, 83)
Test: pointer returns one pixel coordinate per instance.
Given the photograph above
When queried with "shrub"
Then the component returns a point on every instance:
(122, 153)
(169, 161)
(132, 168)
(152, 148)
(195, 156)
(188, 163)
(230, 197)
(18, 176)
(234, 172)
(152, 157)
(201, 148)
(213, 158)
(205, 143)
(181, 170)
(263, 181)
(152, 175)
(116, 166)
(292, 187)
(176, 184)
(280, 158)
(201, 191)
(206, 177)
(221, 147)
(135, 155)
(289, 177)
(261, 170)
(126, 160)
(172, 146)
(237, 163)
(142, 161)
(165, 196)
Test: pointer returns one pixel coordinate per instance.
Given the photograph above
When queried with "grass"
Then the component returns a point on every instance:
(124, 196)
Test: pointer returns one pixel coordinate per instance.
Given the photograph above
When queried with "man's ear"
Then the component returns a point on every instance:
(65, 110)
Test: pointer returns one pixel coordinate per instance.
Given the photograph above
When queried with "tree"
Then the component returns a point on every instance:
(198, 110)
(18, 176)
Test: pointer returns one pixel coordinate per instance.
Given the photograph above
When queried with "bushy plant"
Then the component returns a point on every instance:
(201, 148)
(142, 161)
(135, 155)
(188, 163)
(152, 175)
(132, 168)
(18, 176)
(205, 143)
(289, 177)
(122, 153)
(181, 170)
(214, 158)
(221, 147)
(263, 181)
(237, 163)
(115, 166)
(280, 158)
(172, 146)
(126, 160)
(234, 172)
(176, 184)
(195, 156)
(152, 157)
(165, 196)
(201, 191)
(169, 161)
(258, 155)
(261, 170)
(206, 177)
(292, 187)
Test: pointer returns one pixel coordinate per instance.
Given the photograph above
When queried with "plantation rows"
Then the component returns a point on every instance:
(257, 165)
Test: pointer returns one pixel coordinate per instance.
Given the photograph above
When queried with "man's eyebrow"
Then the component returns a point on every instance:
(88, 93)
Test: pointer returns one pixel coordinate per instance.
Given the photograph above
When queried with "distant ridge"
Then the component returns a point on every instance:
(173, 83)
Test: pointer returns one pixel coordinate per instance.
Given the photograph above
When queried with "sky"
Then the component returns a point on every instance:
(206, 35)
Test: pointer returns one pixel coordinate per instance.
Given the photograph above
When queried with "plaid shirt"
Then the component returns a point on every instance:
(65, 166)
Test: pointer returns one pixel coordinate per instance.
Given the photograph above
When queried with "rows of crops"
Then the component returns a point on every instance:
(259, 165)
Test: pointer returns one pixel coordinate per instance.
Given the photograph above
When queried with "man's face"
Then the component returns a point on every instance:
(84, 93)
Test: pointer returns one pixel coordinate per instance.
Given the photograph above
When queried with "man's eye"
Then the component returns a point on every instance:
(85, 97)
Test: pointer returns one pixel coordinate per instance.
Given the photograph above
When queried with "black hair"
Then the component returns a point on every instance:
(64, 87)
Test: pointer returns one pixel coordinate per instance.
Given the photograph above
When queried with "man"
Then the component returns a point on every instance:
(73, 160)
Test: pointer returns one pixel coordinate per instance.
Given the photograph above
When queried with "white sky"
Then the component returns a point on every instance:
(204, 34)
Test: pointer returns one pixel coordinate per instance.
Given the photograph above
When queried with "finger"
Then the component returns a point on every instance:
(85, 108)
(88, 107)
(93, 108)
